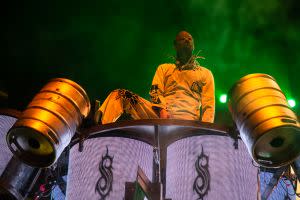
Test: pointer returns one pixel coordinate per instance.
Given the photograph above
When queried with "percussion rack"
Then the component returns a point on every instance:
(164, 136)
(165, 133)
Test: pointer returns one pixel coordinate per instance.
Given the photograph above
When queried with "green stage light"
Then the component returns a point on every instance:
(292, 103)
(223, 98)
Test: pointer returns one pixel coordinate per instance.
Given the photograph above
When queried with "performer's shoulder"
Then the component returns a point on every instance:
(204, 69)
(166, 66)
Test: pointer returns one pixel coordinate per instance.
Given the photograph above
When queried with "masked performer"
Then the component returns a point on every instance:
(183, 90)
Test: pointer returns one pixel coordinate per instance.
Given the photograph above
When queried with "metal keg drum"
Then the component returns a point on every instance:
(267, 125)
(16, 178)
(110, 158)
(49, 122)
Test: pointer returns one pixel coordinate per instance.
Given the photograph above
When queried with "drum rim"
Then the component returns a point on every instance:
(245, 78)
(11, 190)
(107, 130)
(78, 87)
(11, 112)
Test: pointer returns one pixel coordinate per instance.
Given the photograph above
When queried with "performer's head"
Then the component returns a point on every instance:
(184, 46)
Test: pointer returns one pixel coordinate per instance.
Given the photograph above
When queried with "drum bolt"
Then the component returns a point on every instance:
(265, 161)
(277, 142)
(33, 143)
(14, 147)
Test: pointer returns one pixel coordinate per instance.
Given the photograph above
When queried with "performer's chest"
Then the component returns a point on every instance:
(188, 80)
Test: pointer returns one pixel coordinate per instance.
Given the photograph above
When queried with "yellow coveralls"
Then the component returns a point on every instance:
(185, 94)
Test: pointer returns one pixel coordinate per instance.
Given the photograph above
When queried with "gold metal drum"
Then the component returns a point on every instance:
(49, 122)
(267, 125)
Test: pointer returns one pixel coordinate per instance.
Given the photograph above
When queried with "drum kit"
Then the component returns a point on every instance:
(155, 159)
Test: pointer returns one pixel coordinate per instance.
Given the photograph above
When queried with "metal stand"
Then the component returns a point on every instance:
(276, 176)
(143, 187)
(17, 180)
(296, 167)
(273, 182)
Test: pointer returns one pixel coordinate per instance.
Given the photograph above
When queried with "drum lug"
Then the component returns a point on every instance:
(82, 138)
(143, 187)
(234, 133)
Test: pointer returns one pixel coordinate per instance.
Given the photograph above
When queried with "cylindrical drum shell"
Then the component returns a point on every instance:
(267, 125)
(17, 180)
(49, 122)
(7, 119)
(71, 90)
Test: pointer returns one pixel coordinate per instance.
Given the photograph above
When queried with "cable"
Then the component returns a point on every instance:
(286, 189)
(257, 166)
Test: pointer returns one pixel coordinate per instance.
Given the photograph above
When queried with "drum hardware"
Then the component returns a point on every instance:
(273, 182)
(169, 146)
(267, 125)
(10, 112)
(156, 157)
(296, 167)
(82, 138)
(47, 182)
(62, 185)
(164, 137)
(278, 173)
(97, 115)
(49, 122)
(133, 191)
(80, 134)
(7, 118)
(162, 156)
(51, 179)
(81, 144)
(92, 119)
(17, 180)
(143, 187)
(156, 171)
(234, 133)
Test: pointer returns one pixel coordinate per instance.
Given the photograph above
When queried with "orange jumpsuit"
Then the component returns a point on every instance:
(184, 93)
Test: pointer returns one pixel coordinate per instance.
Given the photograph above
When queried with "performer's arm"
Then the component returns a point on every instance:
(208, 99)
(157, 92)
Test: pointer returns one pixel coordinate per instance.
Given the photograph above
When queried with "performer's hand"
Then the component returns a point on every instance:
(164, 114)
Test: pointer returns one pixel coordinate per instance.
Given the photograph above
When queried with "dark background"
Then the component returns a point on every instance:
(104, 45)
